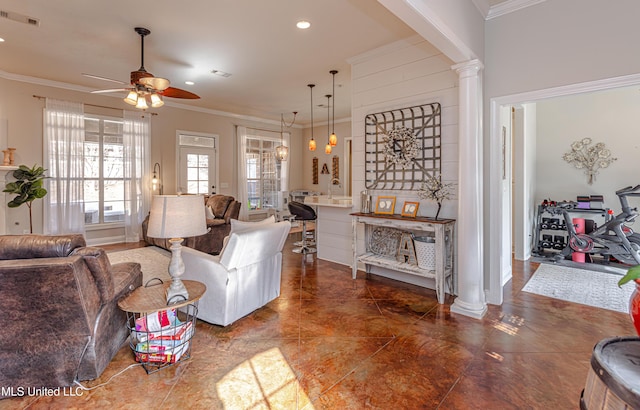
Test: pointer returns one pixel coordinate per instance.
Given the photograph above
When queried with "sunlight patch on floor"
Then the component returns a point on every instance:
(265, 381)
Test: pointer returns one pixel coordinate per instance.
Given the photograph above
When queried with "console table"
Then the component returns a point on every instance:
(441, 229)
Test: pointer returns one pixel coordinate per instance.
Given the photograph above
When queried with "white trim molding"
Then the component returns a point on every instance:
(509, 7)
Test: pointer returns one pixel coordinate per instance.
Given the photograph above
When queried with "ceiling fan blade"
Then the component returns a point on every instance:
(179, 93)
(112, 90)
(157, 83)
(104, 78)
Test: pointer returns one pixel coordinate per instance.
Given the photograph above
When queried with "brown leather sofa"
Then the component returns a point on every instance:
(59, 317)
(224, 208)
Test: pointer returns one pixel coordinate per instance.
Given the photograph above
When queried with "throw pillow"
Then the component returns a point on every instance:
(209, 212)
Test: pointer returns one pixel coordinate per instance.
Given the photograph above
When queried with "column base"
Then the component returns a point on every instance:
(461, 308)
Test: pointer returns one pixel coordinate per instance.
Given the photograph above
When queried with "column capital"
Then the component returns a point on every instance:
(467, 68)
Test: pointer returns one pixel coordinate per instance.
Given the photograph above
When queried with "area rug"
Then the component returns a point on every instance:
(153, 260)
(582, 286)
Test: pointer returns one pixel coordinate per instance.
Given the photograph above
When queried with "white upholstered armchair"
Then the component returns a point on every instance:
(244, 277)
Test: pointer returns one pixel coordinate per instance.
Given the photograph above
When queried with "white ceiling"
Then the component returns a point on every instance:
(271, 61)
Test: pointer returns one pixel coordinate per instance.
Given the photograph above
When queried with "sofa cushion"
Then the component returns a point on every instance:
(241, 248)
(237, 225)
(219, 204)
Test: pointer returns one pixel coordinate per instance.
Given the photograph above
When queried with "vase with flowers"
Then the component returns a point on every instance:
(434, 189)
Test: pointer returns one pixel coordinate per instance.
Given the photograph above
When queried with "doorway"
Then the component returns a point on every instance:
(499, 205)
(197, 163)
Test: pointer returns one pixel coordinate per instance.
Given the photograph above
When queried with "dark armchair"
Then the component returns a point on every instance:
(59, 316)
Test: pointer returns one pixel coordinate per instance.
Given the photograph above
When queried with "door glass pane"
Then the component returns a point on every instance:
(197, 173)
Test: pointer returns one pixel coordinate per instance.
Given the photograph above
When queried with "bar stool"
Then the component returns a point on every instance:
(304, 213)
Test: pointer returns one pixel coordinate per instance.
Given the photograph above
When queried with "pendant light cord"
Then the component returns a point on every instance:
(334, 72)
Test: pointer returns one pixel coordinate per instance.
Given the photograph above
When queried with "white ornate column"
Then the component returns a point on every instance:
(471, 298)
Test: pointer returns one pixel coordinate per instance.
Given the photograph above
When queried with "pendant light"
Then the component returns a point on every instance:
(327, 148)
(333, 139)
(282, 151)
(312, 142)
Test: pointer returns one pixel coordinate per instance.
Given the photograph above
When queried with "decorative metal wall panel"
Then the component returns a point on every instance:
(402, 147)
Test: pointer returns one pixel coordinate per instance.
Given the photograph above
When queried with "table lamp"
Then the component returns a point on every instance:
(176, 217)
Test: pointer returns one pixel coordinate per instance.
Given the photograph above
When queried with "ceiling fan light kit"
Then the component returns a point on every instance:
(146, 90)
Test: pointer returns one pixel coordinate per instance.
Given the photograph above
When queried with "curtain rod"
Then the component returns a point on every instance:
(93, 105)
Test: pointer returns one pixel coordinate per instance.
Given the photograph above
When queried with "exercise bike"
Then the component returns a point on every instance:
(613, 239)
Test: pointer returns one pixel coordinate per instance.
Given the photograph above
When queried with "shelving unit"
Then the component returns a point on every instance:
(551, 235)
(441, 229)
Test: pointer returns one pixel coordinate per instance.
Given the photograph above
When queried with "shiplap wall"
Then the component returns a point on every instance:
(404, 74)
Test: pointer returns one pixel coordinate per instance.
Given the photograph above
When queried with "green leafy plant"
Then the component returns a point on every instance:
(632, 274)
(28, 187)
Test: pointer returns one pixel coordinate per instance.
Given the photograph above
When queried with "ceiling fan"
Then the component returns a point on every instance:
(144, 89)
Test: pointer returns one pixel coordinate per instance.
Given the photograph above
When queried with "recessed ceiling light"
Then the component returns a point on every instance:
(189, 82)
(1, 40)
(303, 24)
(220, 73)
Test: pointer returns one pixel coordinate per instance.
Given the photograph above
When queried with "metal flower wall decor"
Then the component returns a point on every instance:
(590, 158)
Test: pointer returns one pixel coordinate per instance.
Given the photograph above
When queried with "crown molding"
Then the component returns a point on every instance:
(509, 7)
(483, 6)
(73, 87)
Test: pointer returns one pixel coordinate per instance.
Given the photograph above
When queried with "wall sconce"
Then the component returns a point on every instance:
(155, 180)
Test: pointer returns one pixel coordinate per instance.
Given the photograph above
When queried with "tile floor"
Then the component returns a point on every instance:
(329, 342)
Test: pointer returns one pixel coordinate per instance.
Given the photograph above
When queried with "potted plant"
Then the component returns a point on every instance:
(28, 187)
(633, 274)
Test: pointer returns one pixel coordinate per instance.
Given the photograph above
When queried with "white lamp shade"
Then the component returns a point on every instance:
(132, 98)
(142, 102)
(177, 216)
(156, 100)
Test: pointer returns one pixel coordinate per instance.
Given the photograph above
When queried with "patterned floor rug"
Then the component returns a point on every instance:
(599, 289)
(154, 261)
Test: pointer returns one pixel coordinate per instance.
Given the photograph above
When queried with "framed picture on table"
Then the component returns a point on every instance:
(410, 209)
(385, 205)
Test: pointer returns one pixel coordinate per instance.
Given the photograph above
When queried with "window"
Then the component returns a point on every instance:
(263, 171)
(103, 170)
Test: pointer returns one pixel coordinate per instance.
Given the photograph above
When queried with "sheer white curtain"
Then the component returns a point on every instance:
(64, 161)
(137, 194)
(284, 165)
(242, 135)
(243, 195)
